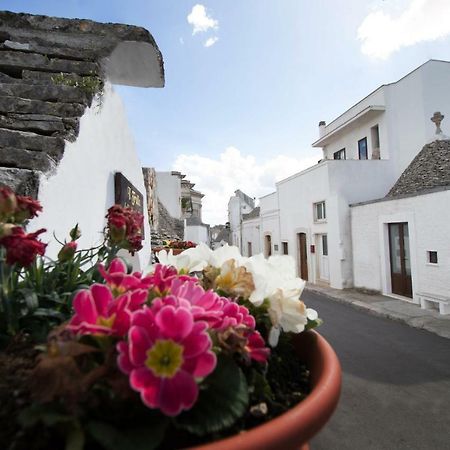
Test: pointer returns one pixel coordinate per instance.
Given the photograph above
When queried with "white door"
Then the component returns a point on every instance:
(322, 254)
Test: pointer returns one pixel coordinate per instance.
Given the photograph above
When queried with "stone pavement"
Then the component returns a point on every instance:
(380, 305)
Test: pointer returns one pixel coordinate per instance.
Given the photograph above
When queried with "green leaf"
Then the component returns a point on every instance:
(42, 413)
(221, 403)
(313, 324)
(44, 312)
(145, 437)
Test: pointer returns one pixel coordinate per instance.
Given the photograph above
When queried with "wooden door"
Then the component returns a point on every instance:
(400, 259)
(303, 256)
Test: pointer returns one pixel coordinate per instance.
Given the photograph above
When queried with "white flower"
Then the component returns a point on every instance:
(275, 280)
(311, 314)
(286, 310)
(223, 254)
(191, 260)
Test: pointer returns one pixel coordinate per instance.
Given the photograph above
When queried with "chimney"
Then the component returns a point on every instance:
(322, 125)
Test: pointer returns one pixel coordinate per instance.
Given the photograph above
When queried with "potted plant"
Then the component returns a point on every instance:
(192, 354)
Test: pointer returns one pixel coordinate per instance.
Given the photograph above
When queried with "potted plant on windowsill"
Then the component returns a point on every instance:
(198, 350)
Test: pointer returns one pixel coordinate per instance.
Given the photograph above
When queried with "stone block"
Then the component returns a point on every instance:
(26, 106)
(26, 159)
(53, 146)
(22, 181)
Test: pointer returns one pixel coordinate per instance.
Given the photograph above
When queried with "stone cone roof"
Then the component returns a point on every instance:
(252, 214)
(50, 70)
(430, 169)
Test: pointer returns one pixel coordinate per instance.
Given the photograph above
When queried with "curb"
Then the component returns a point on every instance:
(379, 312)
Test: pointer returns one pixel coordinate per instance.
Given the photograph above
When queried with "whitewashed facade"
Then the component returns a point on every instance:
(168, 190)
(428, 219)
(238, 205)
(364, 152)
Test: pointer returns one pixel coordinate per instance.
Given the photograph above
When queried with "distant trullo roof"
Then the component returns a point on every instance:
(430, 169)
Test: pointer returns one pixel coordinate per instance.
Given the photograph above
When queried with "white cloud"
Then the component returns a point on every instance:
(200, 20)
(218, 178)
(181, 41)
(211, 41)
(382, 33)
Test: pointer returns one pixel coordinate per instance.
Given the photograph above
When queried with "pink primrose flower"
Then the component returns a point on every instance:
(235, 315)
(205, 305)
(98, 312)
(256, 348)
(166, 352)
(119, 280)
(161, 280)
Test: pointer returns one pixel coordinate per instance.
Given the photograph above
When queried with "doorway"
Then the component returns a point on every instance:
(322, 255)
(267, 245)
(400, 259)
(303, 256)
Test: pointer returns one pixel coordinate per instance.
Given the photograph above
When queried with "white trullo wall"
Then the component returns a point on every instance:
(168, 190)
(428, 226)
(197, 234)
(82, 188)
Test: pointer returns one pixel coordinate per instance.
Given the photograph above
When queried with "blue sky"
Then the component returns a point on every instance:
(243, 112)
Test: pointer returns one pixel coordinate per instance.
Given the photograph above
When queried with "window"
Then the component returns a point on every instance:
(319, 211)
(339, 154)
(362, 148)
(432, 257)
(285, 248)
(275, 248)
(249, 249)
(324, 245)
(375, 132)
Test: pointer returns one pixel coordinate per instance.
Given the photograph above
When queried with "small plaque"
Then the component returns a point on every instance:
(126, 195)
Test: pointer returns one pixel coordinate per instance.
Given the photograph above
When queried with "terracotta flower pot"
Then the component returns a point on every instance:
(293, 429)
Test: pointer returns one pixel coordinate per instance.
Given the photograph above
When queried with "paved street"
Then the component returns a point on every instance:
(396, 382)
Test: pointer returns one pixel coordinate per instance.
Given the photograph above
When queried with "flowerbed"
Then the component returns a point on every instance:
(197, 349)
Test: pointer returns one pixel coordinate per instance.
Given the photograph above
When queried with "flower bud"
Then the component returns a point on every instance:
(6, 229)
(8, 202)
(75, 233)
(67, 252)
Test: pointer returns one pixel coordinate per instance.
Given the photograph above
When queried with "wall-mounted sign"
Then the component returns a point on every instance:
(125, 194)
(312, 248)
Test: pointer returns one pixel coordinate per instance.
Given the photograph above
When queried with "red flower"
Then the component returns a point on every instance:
(22, 248)
(27, 208)
(124, 227)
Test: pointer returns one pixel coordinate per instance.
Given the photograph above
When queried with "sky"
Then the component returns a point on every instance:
(247, 81)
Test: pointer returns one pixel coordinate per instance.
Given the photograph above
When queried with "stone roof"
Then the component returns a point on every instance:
(428, 170)
(252, 214)
(193, 220)
(223, 235)
(50, 70)
(246, 198)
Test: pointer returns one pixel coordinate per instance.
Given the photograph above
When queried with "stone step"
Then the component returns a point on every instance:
(46, 92)
(53, 146)
(42, 124)
(22, 181)
(53, 51)
(26, 159)
(26, 106)
(14, 60)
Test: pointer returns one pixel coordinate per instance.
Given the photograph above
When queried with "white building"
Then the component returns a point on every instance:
(183, 202)
(400, 242)
(238, 205)
(168, 191)
(364, 152)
